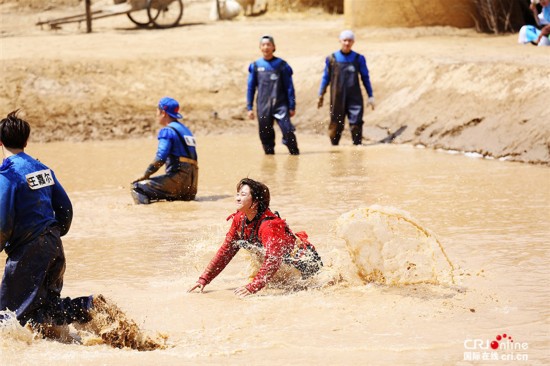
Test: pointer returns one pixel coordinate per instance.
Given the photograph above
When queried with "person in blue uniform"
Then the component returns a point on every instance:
(177, 149)
(35, 212)
(276, 100)
(342, 71)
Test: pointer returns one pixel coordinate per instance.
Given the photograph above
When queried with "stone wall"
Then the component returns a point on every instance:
(330, 6)
(409, 13)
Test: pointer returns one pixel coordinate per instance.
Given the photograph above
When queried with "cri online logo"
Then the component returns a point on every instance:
(502, 341)
(498, 338)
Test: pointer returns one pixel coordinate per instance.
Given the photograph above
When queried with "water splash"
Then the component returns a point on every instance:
(11, 330)
(288, 278)
(110, 325)
(389, 247)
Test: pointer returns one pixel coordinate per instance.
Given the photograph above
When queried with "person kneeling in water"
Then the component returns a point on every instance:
(177, 149)
(257, 229)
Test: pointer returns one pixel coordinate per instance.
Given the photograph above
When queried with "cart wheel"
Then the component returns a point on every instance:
(139, 17)
(165, 13)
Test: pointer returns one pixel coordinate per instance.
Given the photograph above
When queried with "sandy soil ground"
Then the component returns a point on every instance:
(452, 89)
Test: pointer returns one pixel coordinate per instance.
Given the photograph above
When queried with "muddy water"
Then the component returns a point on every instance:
(491, 217)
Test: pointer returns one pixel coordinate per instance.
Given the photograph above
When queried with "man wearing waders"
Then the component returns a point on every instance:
(342, 70)
(276, 100)
(35, 212)
(177, 149)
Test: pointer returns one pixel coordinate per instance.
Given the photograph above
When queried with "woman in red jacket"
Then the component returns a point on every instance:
(256, 228)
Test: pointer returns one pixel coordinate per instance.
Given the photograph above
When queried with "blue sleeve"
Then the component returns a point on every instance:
(165, 144)
(289, 87)
(251, 87)
(364, 71)
(325, 81)
(62, 207)
(7, 210)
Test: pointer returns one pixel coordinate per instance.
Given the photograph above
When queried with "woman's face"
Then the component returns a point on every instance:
(244, 200)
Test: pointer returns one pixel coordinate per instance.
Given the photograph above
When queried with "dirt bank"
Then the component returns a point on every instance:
(453, 89)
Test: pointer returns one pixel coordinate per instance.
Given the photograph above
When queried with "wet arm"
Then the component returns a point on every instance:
(534, 10)
(165, 144)
(224, 255)
(62, 207)
(544, 32)
(272, 236)
(251, 87)
(364, 71)
(289, 87)
(7, 211)
(325, 80)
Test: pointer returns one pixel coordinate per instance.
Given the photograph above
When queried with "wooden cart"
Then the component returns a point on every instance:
(143, 13)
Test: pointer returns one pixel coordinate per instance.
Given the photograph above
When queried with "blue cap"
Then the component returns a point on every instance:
(171, 107)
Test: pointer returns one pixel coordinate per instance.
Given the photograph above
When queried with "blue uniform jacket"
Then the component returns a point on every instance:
(272, 64)
(170, 143)
(347, 58)
(31, 200)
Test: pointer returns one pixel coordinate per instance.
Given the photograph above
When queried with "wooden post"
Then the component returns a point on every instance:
(88, 16)
(218, 9)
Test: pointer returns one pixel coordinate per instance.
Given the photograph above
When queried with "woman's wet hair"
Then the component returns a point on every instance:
(14, 132)
(259, 192)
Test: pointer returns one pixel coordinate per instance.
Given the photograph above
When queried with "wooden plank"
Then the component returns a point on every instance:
(72, 17)
(79, 18)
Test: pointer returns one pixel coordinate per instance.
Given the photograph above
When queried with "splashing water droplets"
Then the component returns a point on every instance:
(389, 247)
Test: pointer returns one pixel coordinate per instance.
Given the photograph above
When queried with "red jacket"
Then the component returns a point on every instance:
(272, 233)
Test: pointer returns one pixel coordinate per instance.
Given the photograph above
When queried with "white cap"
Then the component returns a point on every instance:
(347, 34)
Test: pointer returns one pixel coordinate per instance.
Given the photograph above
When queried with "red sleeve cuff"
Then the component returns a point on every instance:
(253, 289)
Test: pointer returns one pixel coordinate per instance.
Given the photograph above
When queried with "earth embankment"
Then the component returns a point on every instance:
(452, 89)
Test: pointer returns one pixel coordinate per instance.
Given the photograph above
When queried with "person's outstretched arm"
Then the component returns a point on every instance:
(164, 147)
(223, 256)
(272, 234)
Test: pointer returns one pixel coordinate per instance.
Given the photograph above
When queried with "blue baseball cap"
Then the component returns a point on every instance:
(171, 107)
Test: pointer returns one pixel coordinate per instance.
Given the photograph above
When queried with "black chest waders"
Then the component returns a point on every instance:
(272, 105)
(345, 100)
(33, 280)
(303, 256)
